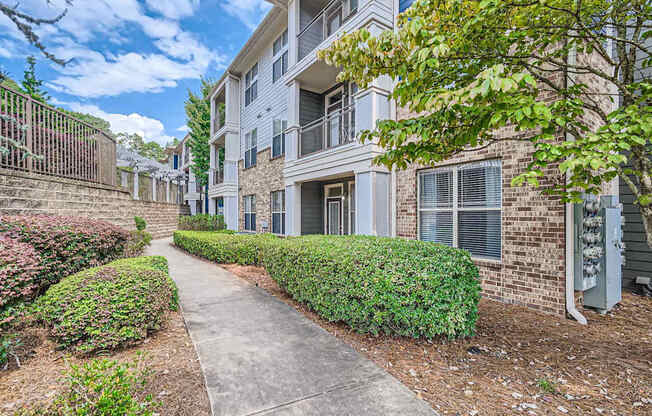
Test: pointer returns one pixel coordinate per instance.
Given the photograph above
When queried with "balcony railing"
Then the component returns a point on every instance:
(218, 176)
(186, 156)
(327, 22)
(333, 130)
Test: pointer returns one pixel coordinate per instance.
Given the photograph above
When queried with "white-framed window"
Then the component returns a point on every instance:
(461, 205)
(278, 212)
(251, 148)
(250, 212)
(278, 137)
(251, 85)
(280, 53)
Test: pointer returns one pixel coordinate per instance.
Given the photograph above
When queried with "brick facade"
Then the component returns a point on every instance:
(261, 180)
(531, 271)
(30, 194)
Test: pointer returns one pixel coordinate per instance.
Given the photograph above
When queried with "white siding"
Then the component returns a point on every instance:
(271, 103)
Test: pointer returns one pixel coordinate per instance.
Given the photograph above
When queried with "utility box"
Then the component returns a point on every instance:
(599, 251)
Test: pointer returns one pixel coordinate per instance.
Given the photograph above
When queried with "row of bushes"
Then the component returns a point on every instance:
(37, 251)
(108, 307)
(202, 222)
(375, 285)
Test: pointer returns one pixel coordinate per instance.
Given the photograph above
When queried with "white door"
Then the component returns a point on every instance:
(334, 216)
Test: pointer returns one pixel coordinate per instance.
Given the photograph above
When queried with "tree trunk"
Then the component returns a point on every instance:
(646, 215)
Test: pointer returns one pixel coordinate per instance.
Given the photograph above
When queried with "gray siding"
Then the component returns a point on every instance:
(311, 106)
(312, 215)
(637, 253)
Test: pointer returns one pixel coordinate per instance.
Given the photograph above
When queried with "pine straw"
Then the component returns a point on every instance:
(177, 380)
(605, 366)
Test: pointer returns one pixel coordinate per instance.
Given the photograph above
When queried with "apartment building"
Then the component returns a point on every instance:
(285, 160)
(181, 157)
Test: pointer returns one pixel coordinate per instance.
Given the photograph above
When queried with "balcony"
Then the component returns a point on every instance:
(324, 23)
(218, 176)
(333, 130)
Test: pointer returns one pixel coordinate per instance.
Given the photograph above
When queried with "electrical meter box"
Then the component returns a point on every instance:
(599, 251)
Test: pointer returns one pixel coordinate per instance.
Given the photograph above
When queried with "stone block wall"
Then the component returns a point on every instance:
(261, 180)
(31, 194)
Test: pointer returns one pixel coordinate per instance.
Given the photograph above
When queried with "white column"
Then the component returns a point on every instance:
(136, 184)
(154, 188)
(372, 191)
(293, 31)
(212, 206)
(293, 209)
(124, 179)
(167, 190)
(231, 212)
(292, 135)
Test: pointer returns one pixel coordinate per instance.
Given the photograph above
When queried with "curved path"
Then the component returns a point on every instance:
(262, 357)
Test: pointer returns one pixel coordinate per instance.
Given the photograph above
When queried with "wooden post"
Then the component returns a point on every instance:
(29, 139)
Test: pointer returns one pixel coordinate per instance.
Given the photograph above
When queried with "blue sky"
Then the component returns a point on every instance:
(133, 61)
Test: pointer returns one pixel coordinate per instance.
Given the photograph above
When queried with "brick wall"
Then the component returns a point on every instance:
(26, 193)
(260, 180)
(531, 271)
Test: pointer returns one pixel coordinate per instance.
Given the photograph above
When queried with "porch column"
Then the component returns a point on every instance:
(135, 196)
(231, 212)
(293, 209)
(124, 179)
(212, 206)
(372, 213)
(293, 31)
(154, 188)
(167, 190)
(292, 132)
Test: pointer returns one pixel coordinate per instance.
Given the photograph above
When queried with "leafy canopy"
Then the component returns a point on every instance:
(471, 68)
(198, 114)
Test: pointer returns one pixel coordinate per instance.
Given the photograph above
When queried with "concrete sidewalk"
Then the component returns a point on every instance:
(262, 357)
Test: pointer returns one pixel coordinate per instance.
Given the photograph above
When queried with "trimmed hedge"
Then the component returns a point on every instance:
(225, 248)
(202, 222)
(108, 307)
(375, 285)
(65, 245)
(20, 270)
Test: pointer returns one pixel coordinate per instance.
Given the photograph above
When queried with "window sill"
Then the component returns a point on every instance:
(277, 157)
(483, 261)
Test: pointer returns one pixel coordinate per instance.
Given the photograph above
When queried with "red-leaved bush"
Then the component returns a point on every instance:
(20, 269)
(65, 245)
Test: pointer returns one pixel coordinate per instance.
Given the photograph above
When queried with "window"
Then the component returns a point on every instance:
(250, 212)
(278, 212)
(278, 139)
(251, 85)
(280, 66)
(251, 148)
(461, 207)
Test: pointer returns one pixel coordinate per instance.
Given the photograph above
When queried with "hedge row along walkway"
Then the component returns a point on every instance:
(262, 357)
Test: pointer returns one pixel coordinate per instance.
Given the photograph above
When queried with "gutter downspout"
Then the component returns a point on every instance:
(570, 234)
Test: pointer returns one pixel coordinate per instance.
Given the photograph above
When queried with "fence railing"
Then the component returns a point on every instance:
(333, 130)
(65, 146)
(218, 176)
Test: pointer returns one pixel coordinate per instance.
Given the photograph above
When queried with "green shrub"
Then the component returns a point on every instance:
(202, 222)
(8, 343)
(141, 224)
(108, 307)
(225, 248)
(375, 285)
(137, 243)
(102, 388)
(21, 271)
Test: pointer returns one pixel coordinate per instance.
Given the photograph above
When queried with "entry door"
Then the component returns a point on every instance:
(334, 216)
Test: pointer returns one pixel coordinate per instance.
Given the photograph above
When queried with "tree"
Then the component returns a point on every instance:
(136, 143)
(25, 24)
(31, 84)
(469, 68)
(198, 114)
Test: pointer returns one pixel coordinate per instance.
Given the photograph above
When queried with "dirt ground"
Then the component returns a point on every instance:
(520, 361)
(177, 381)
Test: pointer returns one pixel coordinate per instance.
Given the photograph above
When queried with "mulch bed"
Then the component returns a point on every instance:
(177, 381)
(520, 361)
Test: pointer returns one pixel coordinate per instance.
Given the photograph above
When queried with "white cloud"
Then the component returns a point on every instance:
(250, 12)
(149, 128)
(173, 9)
(184, 129)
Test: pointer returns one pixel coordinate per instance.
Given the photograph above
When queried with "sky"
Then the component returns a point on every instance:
(132, 62)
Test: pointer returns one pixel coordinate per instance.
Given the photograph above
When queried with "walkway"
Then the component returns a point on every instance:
(262, 357)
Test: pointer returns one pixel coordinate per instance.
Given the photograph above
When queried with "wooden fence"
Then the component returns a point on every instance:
(67, 147)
